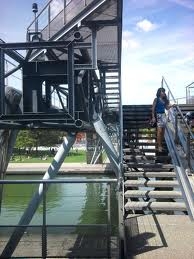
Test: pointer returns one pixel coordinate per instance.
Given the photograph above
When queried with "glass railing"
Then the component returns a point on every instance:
(75, 217)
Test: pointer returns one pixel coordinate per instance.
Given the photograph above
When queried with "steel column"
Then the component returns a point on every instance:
(94, 49)
(37, 198)
(2, 82)
(71, 81)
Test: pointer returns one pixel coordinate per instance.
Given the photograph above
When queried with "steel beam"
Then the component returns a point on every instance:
(34, 45)
(108, 146)
(12, 71)
(71, 81)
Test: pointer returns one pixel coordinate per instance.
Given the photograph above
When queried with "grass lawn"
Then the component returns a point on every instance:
(42, 157)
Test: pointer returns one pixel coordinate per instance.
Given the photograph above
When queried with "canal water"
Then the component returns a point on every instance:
(66, 203)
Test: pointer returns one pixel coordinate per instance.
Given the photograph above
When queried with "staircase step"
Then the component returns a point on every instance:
(132, 136)
(142, 144)
(131, 150)
(164, 206)
(140, 131)
(150, 183)
(152, 194)
(150, 174)
(148, 158)
(148, 165)
(134, 150)
(133, 157)
(141, 126)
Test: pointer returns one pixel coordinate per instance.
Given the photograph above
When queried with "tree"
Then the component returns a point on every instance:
(38, 137)
(24, 140)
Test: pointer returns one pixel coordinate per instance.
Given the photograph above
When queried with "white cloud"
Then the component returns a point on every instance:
(141, 80)
(142, 70)
(182, 61)
(128, 41)
(146, 25)
(136, 4)
(168, 52)
(186, 3)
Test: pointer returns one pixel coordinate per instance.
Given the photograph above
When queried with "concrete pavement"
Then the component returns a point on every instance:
(66, 168)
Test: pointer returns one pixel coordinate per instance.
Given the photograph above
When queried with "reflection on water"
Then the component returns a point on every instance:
(82, 203)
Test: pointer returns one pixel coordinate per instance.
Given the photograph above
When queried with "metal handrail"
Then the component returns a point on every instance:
(180, 135)
(69, 5)
(178, 108)
(173, 131)
(180, 172)
(70, 180)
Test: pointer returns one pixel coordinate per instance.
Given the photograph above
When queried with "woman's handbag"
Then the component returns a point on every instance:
(152, 124)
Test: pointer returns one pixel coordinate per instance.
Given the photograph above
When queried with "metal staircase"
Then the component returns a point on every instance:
(151, 185)
(112, 89)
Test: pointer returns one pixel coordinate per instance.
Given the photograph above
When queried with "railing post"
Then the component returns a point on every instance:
(49, 22)
(122, 247)
(44, 229)
(176, 129)
(109, 223)
(188, 150)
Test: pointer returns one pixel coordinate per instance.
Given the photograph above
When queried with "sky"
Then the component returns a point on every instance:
(158, 40)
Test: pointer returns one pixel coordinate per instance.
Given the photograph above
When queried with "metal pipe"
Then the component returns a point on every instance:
(36, 199)
(82, 124)
(77, 36)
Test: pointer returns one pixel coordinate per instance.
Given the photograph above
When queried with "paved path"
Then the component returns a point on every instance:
(160, 236)
(24, 168)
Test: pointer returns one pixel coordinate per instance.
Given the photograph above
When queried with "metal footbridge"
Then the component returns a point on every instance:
(71, 80)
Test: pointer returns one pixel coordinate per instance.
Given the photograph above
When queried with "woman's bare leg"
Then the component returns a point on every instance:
(160, 137)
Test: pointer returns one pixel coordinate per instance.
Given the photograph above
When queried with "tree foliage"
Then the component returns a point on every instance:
(37, 137)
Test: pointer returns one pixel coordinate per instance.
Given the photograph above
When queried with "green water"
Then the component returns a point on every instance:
(83, 203)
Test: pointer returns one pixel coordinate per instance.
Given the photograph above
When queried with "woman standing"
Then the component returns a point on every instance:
(160, 104)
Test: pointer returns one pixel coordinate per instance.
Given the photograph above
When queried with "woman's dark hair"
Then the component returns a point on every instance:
(161, 89)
